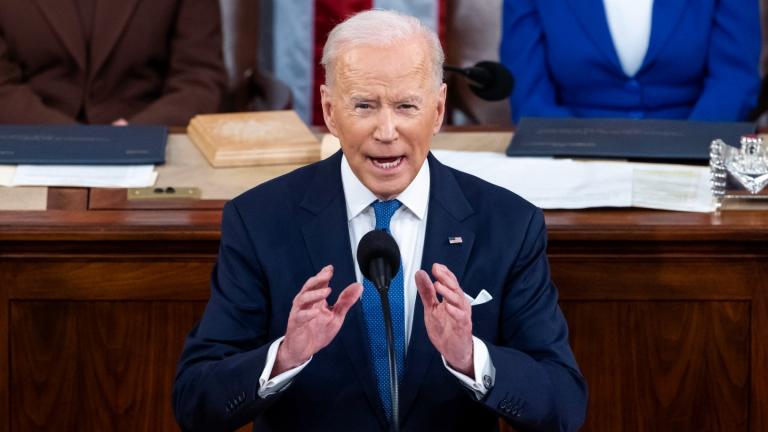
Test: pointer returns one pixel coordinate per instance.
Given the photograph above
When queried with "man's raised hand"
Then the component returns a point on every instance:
(448, 322)
(312, 323)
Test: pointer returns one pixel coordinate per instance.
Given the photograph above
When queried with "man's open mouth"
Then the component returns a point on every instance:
(387, 162)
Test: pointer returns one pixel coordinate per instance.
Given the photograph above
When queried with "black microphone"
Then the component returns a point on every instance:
(379, 260)
(488, 80)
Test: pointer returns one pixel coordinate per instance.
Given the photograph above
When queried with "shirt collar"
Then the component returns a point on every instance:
(415, 197)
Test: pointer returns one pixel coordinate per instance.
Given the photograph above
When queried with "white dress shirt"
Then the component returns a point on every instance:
(408, 227)
(630, 24)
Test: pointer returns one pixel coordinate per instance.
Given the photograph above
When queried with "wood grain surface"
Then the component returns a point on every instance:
(663, 366)
(96, 366)
(668, 315)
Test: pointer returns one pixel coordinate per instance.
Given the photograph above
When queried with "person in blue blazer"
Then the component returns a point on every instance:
(290, 339)
(693, 59)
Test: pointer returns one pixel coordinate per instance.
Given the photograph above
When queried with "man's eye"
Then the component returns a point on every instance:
(408, 107)
(363, 105)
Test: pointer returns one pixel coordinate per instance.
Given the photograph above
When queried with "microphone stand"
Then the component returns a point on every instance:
(393, 386)
(488, 80)
(379, 256)
(382, 286)
(462, 71)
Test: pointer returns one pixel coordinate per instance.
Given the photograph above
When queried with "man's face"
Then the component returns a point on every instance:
(384, 107)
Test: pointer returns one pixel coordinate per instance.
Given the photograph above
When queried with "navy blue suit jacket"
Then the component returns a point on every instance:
(701, 63)
(279, 234)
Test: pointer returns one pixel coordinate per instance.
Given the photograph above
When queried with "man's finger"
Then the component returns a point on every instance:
(458, 314)
(304, 315)
(320, 280)
(451, 296)
(444, 275)
(426, 289)
(347, 298)
(307, 299)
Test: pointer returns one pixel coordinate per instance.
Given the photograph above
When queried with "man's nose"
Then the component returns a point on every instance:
(386, 126)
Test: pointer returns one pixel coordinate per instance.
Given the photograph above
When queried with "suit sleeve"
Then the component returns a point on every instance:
(732, 79)
(523, 52)
(217, 380)
(538, 384)
(20, 104)
(196, 76)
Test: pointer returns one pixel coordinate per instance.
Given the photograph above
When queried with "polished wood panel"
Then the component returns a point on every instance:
(759, 345)
(656, 230)
(96, 366)
(663, 366)
(648, 277)
(96, 279)
(67, 198)
(657, 302)
(5, 356)
(117, 199)
(82, 226)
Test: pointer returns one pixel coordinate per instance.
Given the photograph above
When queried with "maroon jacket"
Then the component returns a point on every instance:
(151, 61)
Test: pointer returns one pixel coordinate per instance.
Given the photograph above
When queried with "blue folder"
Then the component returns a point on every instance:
(647, 140)
(82, 145)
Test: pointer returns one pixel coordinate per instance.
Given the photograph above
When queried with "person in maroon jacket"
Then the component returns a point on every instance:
(109, 62)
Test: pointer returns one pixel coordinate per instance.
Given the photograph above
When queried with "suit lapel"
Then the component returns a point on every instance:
(111, 17)
(594, 22)
(664, 19)
(447, 209)
(326, 236)
(328, 229)
(63, 17)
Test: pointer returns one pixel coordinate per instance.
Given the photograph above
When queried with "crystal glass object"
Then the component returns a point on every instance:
(745, 167)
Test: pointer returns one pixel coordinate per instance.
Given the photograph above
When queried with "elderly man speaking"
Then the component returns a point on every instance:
(293, 338)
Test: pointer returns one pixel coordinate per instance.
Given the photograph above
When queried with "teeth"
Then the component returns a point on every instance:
(388, 165)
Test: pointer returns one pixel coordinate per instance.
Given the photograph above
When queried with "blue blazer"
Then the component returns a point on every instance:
(701, 63)
(277, 235)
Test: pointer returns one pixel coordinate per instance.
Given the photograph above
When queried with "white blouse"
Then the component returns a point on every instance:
(630, 24)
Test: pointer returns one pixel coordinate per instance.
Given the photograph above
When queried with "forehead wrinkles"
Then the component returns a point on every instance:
(403, 66)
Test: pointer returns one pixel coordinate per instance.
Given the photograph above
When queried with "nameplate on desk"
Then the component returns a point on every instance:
(645, 140)
(162, 193)
(82, 145)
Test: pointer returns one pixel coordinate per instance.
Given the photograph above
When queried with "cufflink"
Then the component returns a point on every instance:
(487, 383)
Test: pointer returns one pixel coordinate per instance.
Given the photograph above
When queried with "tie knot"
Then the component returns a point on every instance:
(384, 211)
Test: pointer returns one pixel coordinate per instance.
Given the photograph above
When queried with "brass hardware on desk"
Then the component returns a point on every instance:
(169, 192)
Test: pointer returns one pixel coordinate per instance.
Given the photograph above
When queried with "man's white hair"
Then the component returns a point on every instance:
(380, 28)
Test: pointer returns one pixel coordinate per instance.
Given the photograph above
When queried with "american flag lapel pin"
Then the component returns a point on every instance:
(455, 240)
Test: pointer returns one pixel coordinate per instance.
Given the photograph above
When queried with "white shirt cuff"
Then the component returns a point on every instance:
(268, 387)
(485, 373)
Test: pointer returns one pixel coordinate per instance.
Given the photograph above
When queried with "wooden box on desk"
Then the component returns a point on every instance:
(254, 138)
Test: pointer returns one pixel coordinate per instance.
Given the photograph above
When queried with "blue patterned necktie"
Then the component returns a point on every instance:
(374, 317)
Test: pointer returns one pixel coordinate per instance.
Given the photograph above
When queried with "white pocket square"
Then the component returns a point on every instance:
(482, 297)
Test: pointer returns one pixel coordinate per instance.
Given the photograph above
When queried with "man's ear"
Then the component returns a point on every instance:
(326, 102)
(441, 95)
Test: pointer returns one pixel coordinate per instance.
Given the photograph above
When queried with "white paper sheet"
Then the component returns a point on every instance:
(549, 183)
(672, 187)
(6, 174)
(569, 184)
(117, 176)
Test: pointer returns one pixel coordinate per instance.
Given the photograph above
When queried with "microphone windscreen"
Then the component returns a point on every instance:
(499, 84)
(377, 244)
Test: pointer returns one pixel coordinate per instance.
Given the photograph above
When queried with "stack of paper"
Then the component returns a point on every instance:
(117, 176)
(6, 174)
(570, 184)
